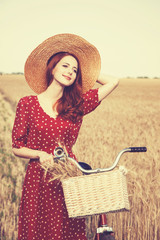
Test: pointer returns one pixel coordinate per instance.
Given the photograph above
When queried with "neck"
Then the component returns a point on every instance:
(54, 91)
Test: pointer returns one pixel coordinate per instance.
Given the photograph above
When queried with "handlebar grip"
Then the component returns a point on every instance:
(138, 149)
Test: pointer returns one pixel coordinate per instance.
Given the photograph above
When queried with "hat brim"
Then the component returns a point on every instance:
(86, 53)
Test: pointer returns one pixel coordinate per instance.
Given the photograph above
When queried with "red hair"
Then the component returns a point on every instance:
(69, 106)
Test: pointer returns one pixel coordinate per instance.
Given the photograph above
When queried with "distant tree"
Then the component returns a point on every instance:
(17, 73)
(142, 77)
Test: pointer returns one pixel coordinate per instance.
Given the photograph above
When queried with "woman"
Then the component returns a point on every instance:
(62, 71)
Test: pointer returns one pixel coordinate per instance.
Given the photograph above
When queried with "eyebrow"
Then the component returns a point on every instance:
(69, 64)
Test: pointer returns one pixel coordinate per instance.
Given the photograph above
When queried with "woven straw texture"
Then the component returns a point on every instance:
(87, 54)
(95, 194)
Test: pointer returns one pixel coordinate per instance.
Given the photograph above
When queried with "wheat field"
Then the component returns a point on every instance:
(128, 117)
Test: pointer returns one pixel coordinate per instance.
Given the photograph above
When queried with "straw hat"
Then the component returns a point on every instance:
(86, 53)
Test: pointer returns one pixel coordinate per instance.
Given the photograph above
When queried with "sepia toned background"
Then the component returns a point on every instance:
(127, 36)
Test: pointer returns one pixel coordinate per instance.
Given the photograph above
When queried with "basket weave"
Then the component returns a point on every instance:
(95, 194)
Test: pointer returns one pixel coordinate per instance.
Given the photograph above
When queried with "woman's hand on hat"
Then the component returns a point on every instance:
(45, 157)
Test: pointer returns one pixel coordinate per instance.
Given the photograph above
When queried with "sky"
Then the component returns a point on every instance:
(125, 32)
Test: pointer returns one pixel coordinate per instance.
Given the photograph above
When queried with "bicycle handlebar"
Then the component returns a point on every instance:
(60, 155)
(138, 149)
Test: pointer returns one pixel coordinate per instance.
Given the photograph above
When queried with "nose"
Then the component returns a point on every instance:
(70, 71)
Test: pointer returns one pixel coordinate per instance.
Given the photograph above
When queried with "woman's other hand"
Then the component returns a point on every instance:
(45, 157)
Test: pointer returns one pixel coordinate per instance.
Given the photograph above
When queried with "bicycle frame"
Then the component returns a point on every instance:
(104, 232)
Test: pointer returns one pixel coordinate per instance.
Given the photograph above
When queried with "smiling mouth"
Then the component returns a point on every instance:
(67, 77)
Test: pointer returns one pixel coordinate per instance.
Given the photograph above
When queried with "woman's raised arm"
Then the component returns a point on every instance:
(109, 84)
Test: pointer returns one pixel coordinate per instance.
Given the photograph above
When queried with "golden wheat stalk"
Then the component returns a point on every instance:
(60, 168)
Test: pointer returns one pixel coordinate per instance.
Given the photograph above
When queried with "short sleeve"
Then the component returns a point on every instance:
(90, 101)
(20, 127)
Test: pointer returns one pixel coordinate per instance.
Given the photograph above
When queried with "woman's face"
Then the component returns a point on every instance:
(65, 71)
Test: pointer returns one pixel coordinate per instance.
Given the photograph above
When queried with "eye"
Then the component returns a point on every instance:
(64, 65)
(75, 70)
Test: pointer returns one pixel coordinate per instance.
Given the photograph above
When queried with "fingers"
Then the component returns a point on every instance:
(45, 157)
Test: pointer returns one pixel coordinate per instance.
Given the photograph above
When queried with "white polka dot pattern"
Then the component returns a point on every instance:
(43, 214)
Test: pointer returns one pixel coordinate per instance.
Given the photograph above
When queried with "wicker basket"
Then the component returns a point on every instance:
(95, 194)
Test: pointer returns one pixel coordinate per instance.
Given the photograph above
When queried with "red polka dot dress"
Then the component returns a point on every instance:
(43, 214)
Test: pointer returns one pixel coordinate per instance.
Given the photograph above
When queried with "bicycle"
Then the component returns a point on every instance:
(104, 232)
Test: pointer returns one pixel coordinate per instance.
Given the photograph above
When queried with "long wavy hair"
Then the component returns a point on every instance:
(69, 106)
